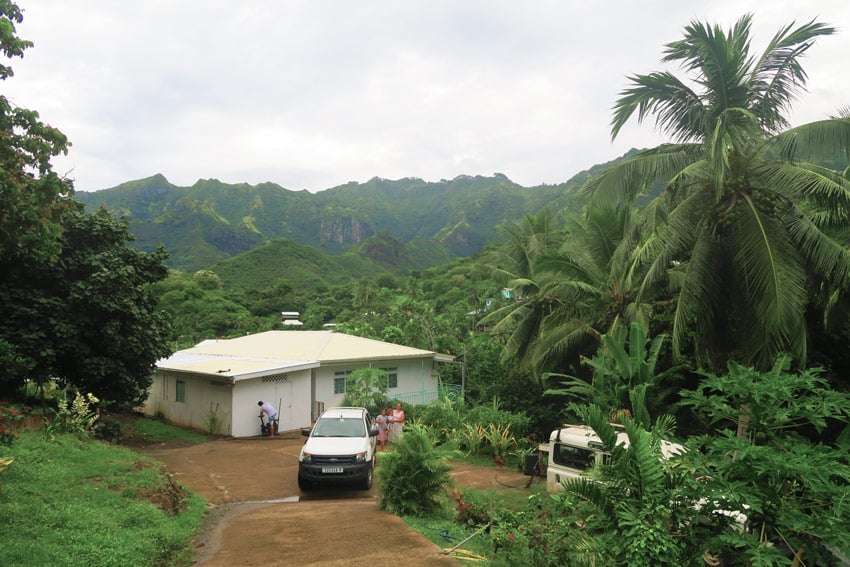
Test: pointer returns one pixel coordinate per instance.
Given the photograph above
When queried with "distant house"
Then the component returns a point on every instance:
(299, 372)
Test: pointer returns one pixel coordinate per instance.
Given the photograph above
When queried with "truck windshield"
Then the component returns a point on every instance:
(339, 427)
(573, 457)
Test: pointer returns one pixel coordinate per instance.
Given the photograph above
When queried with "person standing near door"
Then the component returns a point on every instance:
(271, 414)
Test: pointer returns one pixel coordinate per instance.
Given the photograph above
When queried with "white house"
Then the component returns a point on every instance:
(216, 384)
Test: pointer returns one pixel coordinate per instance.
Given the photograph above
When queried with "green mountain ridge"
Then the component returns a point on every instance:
(395, 225)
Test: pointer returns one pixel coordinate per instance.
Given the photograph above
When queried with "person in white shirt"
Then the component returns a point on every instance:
(396, 423)
(271, 414)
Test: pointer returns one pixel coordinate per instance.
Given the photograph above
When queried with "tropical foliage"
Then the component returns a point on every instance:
(789, 472)
(34, 197)
(742, 224)
(624, 379)
(74, 299)
(414, 474)
(730, 239)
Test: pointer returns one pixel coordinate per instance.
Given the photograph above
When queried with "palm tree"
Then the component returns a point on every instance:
(527, 241)
(742, 220)
(589, 277)
(573, 287)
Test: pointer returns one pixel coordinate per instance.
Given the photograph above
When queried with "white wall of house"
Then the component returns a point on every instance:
(198, 400)
(289, 393)
(191, 400)
(413, 375)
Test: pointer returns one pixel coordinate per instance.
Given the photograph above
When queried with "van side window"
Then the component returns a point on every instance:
(573, 457)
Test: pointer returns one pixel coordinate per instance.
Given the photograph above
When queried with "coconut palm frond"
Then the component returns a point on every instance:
(762, 256)
(697, 306)
(828, 191)
(561, 342)
(815, 140)
(665, 96)
(624, 182)
(824, 256)
(675, 238)
(778, 76)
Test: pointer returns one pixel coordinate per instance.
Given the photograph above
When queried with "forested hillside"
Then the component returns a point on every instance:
(433, 221)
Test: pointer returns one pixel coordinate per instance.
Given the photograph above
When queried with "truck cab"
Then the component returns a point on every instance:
(574, 450)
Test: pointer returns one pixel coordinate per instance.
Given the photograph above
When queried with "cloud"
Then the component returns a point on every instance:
(311, 95)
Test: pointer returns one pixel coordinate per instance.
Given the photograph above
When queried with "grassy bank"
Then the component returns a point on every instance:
(70, 502)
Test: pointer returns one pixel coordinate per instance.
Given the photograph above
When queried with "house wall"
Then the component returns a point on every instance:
(206, 402)
(414, 375)
(289, 393)
(234, 406)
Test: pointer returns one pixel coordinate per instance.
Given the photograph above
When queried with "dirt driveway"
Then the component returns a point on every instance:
(258, 516)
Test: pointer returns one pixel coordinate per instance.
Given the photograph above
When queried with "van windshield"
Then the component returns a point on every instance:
(339, 427)
(573, 457)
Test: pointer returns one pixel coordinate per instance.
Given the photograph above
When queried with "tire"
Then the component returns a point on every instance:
(366, 483)
(304, 484)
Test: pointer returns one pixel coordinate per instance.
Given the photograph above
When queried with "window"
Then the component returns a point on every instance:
(573, 457)
(392, 377)
(340, 381)
(180, 394)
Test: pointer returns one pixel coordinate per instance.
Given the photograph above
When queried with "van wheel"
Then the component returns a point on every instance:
(304, 484)
(366, 483)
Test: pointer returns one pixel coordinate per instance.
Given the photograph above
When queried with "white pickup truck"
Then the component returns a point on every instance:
(340, 448)
(575, 449)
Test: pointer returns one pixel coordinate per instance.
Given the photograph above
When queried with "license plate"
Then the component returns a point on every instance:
(331, 470)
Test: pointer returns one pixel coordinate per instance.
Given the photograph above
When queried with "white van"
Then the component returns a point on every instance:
(575, 449)
(340, 448)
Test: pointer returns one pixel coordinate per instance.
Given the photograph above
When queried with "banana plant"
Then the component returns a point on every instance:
(624, 376)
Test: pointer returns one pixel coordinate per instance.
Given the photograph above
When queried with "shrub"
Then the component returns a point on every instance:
(500, 440)
(485, 415)
(413, 475)
(471, 509)
(77, 417)
(367, 388)
(472, 438)
(443, 418)
(7, 414)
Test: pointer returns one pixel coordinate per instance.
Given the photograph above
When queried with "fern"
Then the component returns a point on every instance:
(413, 475)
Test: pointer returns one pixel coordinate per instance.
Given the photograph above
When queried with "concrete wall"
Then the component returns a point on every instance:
(414, 375)
(289, 393)
(207, 405)
(233, 407)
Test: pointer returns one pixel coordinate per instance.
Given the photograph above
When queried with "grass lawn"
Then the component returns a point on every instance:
(70, 502)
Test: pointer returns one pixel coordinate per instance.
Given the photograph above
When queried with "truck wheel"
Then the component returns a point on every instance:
(366, 483)
(304, 484)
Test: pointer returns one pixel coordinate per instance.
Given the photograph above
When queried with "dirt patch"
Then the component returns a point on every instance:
(259, 516)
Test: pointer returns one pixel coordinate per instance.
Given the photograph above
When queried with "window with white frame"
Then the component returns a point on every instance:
(392, 377)
(180, 392)
(340, 381)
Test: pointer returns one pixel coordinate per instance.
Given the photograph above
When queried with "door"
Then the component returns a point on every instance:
(283, 403)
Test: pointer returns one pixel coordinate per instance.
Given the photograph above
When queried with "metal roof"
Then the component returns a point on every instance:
(274, 352)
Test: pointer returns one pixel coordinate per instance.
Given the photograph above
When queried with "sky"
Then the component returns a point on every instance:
(313, 94)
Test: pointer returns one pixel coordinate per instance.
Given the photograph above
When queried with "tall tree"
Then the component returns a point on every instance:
(521, 322)
(33, 196)
(742, 219)
(89, 319)
(590, 276)
(74, 298)
(572, 290)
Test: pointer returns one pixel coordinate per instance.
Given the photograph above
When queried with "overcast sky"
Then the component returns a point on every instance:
(313, 94)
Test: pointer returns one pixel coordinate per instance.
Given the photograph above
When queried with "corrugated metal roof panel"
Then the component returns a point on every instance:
(230, 366)
(281, 351)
